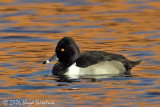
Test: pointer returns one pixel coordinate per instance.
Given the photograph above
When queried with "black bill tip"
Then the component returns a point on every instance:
(44, 62)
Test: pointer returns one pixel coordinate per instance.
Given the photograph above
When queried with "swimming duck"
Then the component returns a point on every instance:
(72, 62)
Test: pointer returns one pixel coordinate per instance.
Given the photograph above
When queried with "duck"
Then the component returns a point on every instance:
(73, 63)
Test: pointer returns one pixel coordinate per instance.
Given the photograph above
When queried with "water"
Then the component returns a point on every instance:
(30, 30)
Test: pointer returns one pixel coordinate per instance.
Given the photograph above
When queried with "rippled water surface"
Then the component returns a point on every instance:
(30, 30)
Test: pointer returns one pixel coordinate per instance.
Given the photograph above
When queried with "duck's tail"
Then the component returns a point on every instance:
(130, 65)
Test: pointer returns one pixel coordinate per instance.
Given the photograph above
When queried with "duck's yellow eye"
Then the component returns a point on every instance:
(62, 49)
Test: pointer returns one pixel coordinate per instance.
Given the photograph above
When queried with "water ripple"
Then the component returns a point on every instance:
(24, 39)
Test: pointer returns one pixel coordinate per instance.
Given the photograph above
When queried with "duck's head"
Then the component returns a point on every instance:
(66, 52)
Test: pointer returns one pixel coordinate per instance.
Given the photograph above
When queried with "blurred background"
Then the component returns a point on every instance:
(30, 30)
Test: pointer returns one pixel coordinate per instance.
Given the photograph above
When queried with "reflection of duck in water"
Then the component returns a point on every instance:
(74, 64)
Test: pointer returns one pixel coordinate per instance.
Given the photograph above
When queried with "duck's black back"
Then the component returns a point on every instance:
(89, 58)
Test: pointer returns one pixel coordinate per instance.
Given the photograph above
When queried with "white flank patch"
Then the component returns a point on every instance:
(107, 67)
(73, 71)
(103, 68)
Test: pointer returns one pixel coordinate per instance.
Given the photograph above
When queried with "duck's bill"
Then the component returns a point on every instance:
(53, 58)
